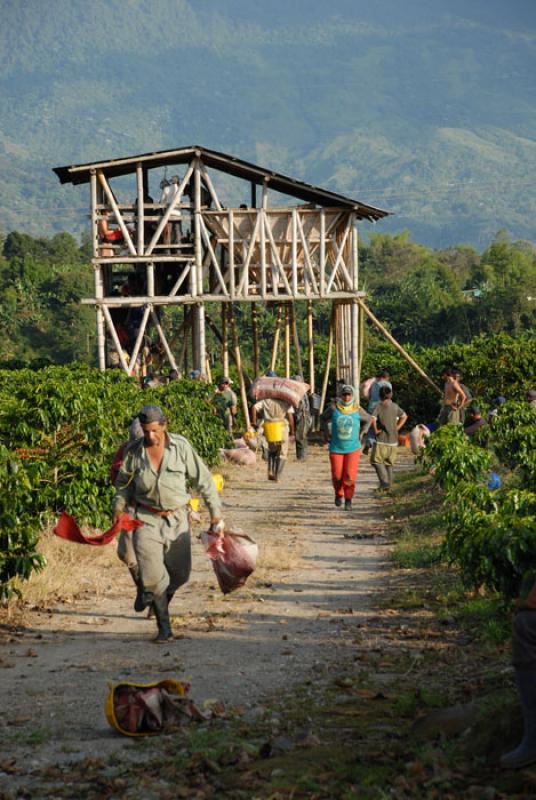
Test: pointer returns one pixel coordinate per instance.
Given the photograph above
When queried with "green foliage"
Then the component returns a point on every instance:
(453, 459)
(513, 438)
(59, 430)
(491, 536)
(491, 366)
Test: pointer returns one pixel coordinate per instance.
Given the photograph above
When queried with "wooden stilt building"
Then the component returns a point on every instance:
(190, 247)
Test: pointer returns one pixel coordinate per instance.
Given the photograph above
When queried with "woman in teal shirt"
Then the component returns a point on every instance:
(345, 446)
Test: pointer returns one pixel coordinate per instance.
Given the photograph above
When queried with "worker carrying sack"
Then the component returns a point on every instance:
(285, 389)
(233, 557)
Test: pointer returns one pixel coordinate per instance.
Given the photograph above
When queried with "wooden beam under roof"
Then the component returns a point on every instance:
(81, 173)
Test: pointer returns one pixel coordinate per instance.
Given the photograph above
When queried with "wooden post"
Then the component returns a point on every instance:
(140, 221)
(99, 284)
(297, 347)
(332, 324)
(310, 346)
(277, 334)
(254, 330)
(399, 347)
(163, 339)
(199, 317)
(115, 338)
(287, 342)
(354, 351)
(111, 199)
(224, 339)
(238, 360)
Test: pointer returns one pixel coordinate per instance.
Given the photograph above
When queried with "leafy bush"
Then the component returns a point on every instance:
(453, 459)
(59, 430)
(491, 536)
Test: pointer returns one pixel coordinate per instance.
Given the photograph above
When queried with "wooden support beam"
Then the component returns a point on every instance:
(119, 217)
(287, 342)
(310, 346)
(296, 338)
(224, 340)
(277, 334)
(383, 330)
(332, 324)
(139, 339)
(254, 331)
(163, 339)
(170, 209)
(140, 221)
(238, 361)
(115, 339)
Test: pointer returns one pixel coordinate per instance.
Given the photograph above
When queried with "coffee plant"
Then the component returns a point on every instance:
(59, 430)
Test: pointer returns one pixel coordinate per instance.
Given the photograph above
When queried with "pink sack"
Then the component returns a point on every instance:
(279, 389)
(233, 558)
(241, 455)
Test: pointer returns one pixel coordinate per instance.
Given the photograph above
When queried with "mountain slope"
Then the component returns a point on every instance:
(428, 114)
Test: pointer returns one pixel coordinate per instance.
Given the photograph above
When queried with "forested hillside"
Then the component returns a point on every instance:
(423, 108)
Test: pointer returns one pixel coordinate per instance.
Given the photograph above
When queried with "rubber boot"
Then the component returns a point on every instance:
(525, 753)
(389, 471)
(280, 468)
(139, 602)
(381, 472)
(271, 467)
(161, 610)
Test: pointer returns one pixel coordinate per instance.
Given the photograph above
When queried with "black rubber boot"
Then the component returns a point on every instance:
(525, 753)
(161, 610)
(381, 472)
(140, 603)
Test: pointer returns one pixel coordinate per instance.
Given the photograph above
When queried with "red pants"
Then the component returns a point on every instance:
(344, 468)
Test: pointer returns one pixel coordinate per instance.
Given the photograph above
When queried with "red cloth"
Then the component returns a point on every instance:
(67, 528)
(344, 467)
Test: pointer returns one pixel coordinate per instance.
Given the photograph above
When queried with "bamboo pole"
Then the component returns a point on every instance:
(332, 323)
(224, 340)
(311, 346)
(287, 342)
(254, 330)
(238, 360)
(277, 333)
(163, 339)
(399, 347)
(118, 216)
(297, 347)
(140, 221)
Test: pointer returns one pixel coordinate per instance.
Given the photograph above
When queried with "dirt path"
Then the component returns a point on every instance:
(265, 637)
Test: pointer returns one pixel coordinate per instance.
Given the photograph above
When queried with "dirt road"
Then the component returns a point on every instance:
(271, 634)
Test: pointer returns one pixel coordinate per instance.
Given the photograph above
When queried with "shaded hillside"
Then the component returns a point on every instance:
(428, 114)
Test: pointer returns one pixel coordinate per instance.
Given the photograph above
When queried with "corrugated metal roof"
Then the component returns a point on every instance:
(80, 173)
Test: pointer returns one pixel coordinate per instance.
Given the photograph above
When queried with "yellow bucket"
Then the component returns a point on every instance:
(218, 480)
(194, 503)
(170, 684)
(273, 431)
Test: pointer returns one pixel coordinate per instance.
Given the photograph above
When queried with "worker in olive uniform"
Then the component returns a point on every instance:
(153, 479)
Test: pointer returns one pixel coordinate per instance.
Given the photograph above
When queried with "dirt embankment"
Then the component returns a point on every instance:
(318, 564)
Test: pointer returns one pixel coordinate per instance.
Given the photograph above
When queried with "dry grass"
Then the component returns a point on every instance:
(72, 570)
(277, 557)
